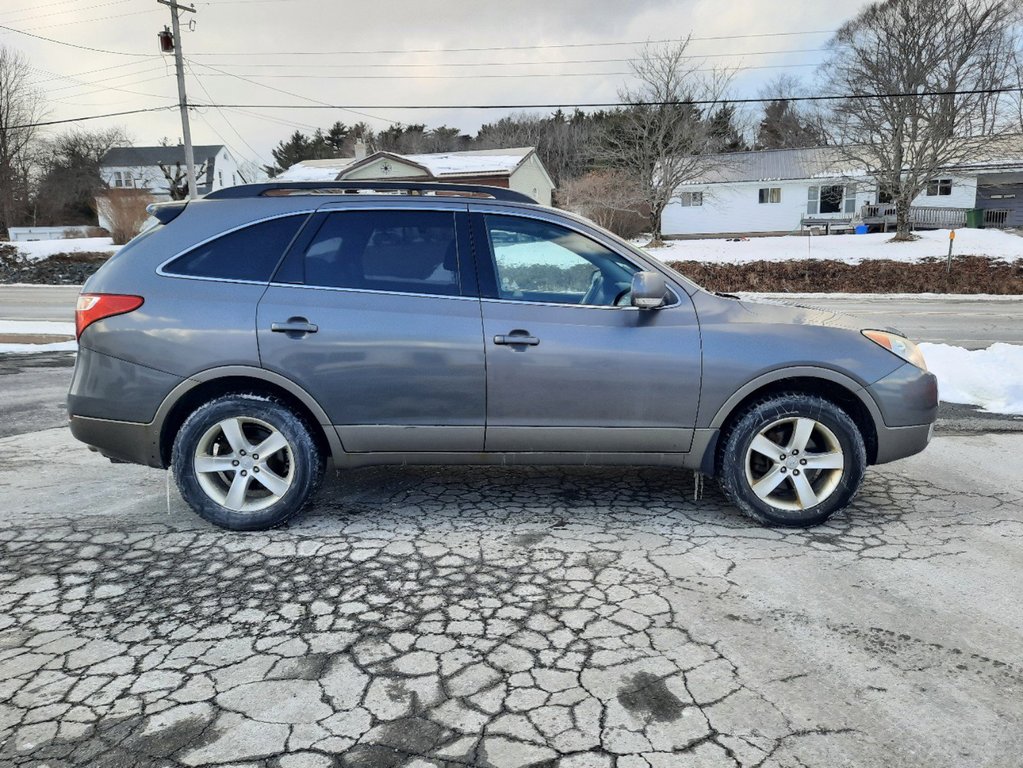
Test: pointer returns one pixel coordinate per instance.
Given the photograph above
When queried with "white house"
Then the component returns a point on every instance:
(140, 168)
(784, 190)
(517, 168)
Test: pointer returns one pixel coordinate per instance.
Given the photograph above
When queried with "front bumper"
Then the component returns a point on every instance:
(908, 401)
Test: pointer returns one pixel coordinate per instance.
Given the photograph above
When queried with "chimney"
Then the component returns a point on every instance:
(360, 150)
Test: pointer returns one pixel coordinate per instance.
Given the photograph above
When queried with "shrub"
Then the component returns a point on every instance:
(125, 210)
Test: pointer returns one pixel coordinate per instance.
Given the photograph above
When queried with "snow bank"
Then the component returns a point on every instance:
(34, 250)
(37, 327)
(991, 378)
(851, 249)
(23, 349)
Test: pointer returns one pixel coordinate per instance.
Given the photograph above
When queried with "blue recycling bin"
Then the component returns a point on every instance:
(861, 229)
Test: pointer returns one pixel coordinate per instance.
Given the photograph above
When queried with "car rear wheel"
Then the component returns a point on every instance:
(246, 462)
(792, 460)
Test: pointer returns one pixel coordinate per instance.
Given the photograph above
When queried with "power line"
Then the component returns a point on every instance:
(549, 62)
(494, 76)
(230, 125)
(264, 54)
(607, 104)
(75, 45)
(92, 117)
(586, 105)
(296, 95)
(61, 13)
(98, 18)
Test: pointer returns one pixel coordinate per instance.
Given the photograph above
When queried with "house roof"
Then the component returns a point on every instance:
(143, 156)
(440, 165)
(829, 162)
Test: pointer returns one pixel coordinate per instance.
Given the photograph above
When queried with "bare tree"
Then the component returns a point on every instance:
(613, 199)
(952, 56)
(177, 178)
(20, 107)
(664, 138)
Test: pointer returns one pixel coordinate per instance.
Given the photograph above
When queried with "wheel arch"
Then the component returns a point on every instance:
(843, 391)
(205, 386)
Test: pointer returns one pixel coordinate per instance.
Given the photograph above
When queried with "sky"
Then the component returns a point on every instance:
(382, 53)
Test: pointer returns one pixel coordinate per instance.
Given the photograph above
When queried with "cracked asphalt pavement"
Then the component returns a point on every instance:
(506, 617)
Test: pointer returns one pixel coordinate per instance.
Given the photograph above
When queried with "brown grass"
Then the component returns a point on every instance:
(125, 209)
(969, 274)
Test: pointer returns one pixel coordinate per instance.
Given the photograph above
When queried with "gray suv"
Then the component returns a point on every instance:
(252, 335)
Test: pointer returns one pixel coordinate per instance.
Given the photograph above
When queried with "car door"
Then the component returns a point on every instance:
(571, 365)
(375, 312)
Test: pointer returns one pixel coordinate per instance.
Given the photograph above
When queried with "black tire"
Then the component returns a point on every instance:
(302, 461)
(736, 463)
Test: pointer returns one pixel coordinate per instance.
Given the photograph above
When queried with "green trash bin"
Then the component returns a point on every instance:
(975, 218)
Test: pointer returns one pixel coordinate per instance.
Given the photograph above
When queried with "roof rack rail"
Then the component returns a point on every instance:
(361, 187)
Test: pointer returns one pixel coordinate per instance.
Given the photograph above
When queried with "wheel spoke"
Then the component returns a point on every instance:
(833, 460)
(273, 482)
(767, 447)
(801, 434)
(766, 484)
(807, 496)
(236, 495)
(232, 429)
(270, 446)
(213, 464)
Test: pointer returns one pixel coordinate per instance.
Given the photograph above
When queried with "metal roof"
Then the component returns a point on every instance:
(830, 163)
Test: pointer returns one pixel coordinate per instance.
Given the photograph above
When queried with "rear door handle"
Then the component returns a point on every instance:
(295, 325)
(517, 337)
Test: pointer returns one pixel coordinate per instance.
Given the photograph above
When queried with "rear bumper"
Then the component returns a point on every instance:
(120, 440)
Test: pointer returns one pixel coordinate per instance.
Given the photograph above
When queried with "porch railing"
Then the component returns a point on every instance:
(919, 216)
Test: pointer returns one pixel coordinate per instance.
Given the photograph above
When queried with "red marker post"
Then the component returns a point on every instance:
(951, 239)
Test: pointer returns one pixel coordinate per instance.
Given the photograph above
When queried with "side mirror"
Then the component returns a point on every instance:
(649, 290)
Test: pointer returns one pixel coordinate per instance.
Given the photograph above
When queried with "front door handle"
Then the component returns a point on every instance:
(294, 325)
(517, 337)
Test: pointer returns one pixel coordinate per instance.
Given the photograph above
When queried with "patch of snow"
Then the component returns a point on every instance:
(24, 349)
(36, 327)
(991, 378)
(850, 249)
(456, 163)
(35, 250)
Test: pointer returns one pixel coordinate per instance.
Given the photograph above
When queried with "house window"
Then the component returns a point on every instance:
(123, 179)
(220, 178)
(831, 198)
(770, 195)
(233, 182)
(692, 199)
(937, 187)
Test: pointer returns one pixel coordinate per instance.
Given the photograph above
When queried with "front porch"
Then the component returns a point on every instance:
(882, 216)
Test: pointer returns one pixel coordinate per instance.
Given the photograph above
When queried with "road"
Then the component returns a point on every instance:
(970, 323)
(503, 617)
(963, 322)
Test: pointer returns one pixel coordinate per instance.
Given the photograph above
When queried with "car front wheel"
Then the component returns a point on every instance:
(792, 460)
(246, 462)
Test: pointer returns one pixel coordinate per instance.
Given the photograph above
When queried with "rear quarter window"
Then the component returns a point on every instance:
(249, 253)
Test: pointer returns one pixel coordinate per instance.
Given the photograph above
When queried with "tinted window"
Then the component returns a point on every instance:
(537, 261)
(250, 253)
(402, 251)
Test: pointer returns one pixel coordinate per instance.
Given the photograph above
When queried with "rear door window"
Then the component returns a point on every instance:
(250, 253)
(386, 250)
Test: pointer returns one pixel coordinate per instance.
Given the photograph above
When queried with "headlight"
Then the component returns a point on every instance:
(898, 345)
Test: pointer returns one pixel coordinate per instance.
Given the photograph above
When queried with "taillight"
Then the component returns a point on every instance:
(95, 306)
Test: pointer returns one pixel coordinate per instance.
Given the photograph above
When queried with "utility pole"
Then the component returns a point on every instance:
(186, 131)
